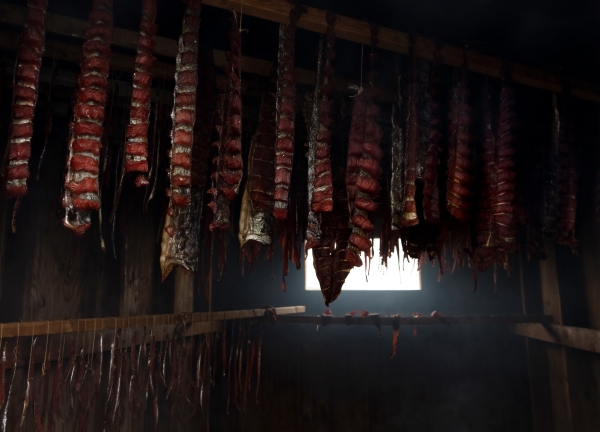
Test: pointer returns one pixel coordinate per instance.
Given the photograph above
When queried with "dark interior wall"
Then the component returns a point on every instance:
(342, 378)
(338, 378)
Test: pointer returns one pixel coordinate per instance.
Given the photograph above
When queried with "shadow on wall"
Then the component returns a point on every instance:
(342, 378)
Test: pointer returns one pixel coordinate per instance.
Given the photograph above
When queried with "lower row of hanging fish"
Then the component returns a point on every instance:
(144, 374)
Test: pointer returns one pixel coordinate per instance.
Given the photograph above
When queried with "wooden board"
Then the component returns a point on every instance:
(24, 329)
(137, 253)
(557, 362)
(184, 291)
(590, 253)
(573, 337)
(386, 321)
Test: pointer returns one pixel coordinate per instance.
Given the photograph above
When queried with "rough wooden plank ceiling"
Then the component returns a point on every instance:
(397, 41)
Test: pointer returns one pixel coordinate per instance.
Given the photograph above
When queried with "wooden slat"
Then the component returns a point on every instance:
(397, 41)
(537, 365)
(25, 329)
(183, 301)
(499, 319)
(573, 337)
(557, 360)
(590, 253)
(85, 340)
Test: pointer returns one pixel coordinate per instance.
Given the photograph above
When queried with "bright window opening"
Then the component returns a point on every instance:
(396, 277)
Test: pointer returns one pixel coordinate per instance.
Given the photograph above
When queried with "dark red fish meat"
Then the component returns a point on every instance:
(567, 182)
(226, 179)
(459, 183)
(431, 204)
(204, 125)
(136, 146)
(25, 94)
(367, 185)
(186, 80)
(504, 209)
(409, 204)
(486, 242)
(286, 112)
(87, 120)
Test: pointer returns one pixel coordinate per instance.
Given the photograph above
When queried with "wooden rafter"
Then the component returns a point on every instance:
(397, 41)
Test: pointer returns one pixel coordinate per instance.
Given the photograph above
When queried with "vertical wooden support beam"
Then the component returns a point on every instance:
(537, 362)
(184, 291)
(557, 360)
(589, 250)
(137, 255)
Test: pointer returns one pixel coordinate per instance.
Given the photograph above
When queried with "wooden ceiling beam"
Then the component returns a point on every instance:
(393, 40)
(124, 38)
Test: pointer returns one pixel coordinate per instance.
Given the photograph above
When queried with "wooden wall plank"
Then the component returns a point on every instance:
(24, 329)
(537, 360)
(539, 385)
(573, 337)
(137, 253)
(184, 291)
(557, 362)
(590, 257)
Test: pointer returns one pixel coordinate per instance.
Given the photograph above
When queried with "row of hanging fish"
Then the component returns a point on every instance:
(146, 370)
(473, 205)
(449, 185)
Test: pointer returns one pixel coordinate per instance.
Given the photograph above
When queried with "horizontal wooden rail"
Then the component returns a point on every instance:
(492, 319)
(393, 40)
(573, 337)
(314, 20)
(85, 334)
(42, 328)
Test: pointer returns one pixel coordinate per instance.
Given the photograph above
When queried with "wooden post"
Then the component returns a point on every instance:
(184, 291)
(537, 364)
(137, 255)
(557, 361)
(590, 255)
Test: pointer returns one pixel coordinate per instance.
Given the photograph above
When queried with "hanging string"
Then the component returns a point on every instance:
(241, 15)
(46, 349)
(77, 340)
(17, 344)
(61, 343)
(33, 341)
(360, 89)
(91, 353)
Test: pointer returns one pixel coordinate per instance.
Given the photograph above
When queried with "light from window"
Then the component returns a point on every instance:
(402, 276)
